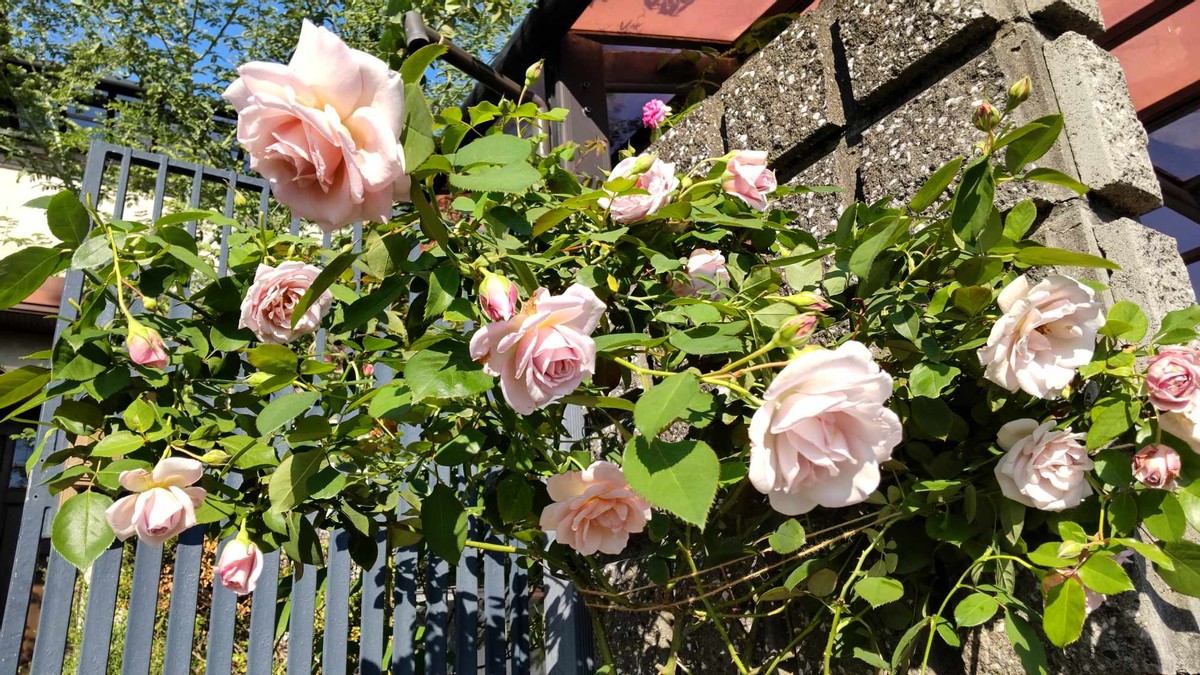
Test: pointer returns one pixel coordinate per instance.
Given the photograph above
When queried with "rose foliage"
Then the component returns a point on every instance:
(896, 432)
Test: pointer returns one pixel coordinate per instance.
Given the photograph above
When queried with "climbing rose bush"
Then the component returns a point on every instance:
(885, 436)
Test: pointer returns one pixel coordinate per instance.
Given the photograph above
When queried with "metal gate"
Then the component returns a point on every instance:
(410, 614)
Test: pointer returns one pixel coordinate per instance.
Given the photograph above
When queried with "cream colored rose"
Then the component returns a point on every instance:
(1043, 467)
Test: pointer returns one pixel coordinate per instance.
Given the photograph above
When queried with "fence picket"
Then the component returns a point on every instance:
(300, 622)
(261, 649)
(337, 604)
(143, 601)
(181, 616)
(101, 608)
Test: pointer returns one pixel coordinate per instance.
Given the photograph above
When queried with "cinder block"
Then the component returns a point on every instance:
(1152, 274)
(785, 96)
(697, 136)
(818, 212)
(1072, 226)
(1060, 16)
(1108, 141)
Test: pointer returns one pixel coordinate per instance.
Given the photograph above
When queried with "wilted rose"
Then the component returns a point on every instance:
(163, 505)
(146, 346)
(1043, 467)
(1173, 379)
(1157, 466)
(658, 180)
(267, 308)
(823, 430)
(594, 510)
(748, 178)
(1047, 332)
(239, 566)
(324, 130)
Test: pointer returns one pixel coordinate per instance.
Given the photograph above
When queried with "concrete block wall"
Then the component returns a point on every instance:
(873, 95)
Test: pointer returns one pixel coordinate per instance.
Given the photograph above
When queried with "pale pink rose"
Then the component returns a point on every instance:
(324, 130)
(267, 308)
(748, 178)
(239, 566)
(1183, 425)
(823, 430)
(1157, 466)
(1092, 600)
(1173, 379)
(1043, 467)
(163, 505)
(1047, 332)
(654, 113)
(659, 181)
(146, 346)
(497, 297)
(594, 510)
(705, 271)
(543, 352)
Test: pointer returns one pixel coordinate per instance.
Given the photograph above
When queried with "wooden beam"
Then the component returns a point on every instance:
(654, 72)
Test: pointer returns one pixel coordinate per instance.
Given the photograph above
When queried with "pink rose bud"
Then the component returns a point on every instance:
(808, 300)
(239, 566)
(368, 370)
(163, 504)
(1173, 379)
(986, 117)
(324, 130)
(497, 297)
(1156, 466)
(748, 178)
(797, 329)
(146, 346)
(594, 510)
(654, 113)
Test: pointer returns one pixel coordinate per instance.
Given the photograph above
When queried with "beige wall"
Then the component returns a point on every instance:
(18, 221)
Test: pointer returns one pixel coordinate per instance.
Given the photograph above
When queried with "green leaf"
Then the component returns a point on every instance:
(116, 444)
(432, 225)
(511, 178)
(443, 288)
(514, 497)
(289, 481)
(414, 67)
(1181, 320)
(92, 254)
(19, 384)
(1026, 643)
(284, 409)
(1045, 255)
(192, 215)
(1031, 146)
(445, 371)
(874, 240)
(678, 477)
(664, 402)
(110, 475)
(417, 134)
(1065, 612)
(336, 267)
(973, 200)
(273, 358)
(444, 523)
(67, 218)
(1184, 574)
(935, 185)
(80, 532)
(1020, 219)
(495, 149)
(788, 538)
(1126, 321)
(1111, 417)
(709, 339)
(929, 378)
(1104, 575)
(139, 416)
(1056, 177)
(369, 306)
(25, 271)
(972, 299)
(193, 261)
(879, 590)
(975, 609)
(1162, 514)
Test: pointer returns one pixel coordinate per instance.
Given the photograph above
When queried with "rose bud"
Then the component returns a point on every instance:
(497, 297)
(1156, 466)
(796, 330)
(368, 369)
(1018, 93)
(239, 566)
(986, 117)
(533, 73)
(808, 300)
(146, 346)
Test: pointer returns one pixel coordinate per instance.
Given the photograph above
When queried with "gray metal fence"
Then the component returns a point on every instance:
(410, 614)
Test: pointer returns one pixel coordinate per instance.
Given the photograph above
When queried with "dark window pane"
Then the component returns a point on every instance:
(1175, 148)
(1185, 230)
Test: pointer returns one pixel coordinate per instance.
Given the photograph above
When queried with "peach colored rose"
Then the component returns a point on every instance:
(748, 178)
(146, 346)
(1157, 466)
(267, 308)
(1043, 467)
(1047, 332)
(324, 130)
(163, 505)
(239, 566)
(594, 510)
(1173, 379)
(497, 297)
(823, 430)
(543, 352)
(658, 180)
(705, 271)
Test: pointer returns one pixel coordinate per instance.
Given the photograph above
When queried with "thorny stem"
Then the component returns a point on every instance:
(117, 273)
(840, 604)
(750, 357)
(716, 619)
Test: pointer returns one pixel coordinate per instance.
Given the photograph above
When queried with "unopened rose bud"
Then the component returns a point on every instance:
(369, 369)
(986, 117)
(497, 297)
(797, 329)
(643, 163)
(1018, 93)
(146, 346)
(150, 304)
(216, 457)
(808, 300)
(533, 73)
(1157, 466)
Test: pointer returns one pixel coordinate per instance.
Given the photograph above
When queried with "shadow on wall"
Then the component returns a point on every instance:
(668, 7)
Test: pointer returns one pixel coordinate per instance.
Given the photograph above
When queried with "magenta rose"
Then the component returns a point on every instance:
(163, 504)
(1173, 379)
(1157, 466)
(146, 346)
(594, 510)
(239, 566)
(654, 113)
(823, 430)
(543, 352)
(658, 180)
(267, 308)
(324, 130)
(748, 178)
(1042, 466)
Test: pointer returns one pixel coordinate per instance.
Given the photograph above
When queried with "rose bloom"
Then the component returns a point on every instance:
(239, 566)
(1043, 467)
(659, 181)
(324, 130)
(267, 308)
(1157, 466)
(163, 505)
(748, 178)
(1173, 379)
(594, 510)
(654, 113)
(705, 271)
(823, 430)
(1183, 425)
(497, 297)
(543, 352)
(1047, 332)
(146, 346)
